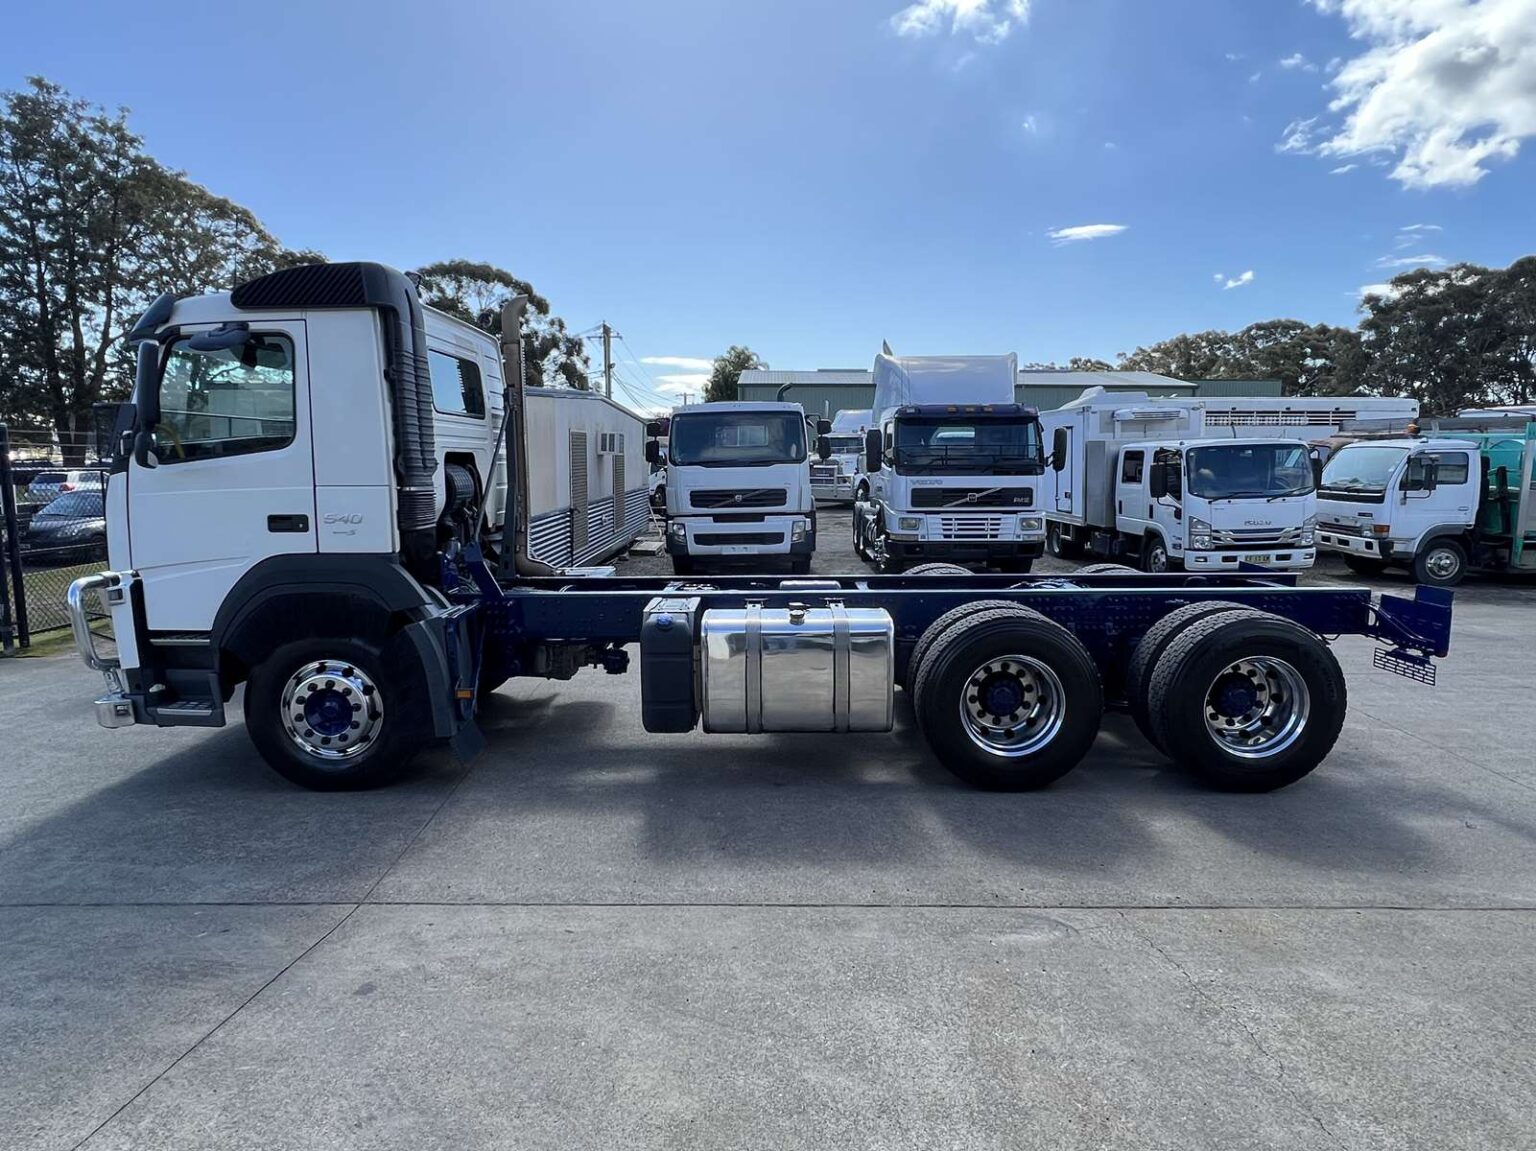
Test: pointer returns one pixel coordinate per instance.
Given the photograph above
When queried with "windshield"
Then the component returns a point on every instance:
(1233, 471)
(76, 505)
(737, 439)
(1362, 469)
(846, 445)
(980, 447)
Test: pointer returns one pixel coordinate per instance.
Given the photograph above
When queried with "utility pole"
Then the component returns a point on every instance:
(607, 360)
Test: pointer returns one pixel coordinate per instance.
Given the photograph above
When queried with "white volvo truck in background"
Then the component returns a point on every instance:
(1440, 504)
(952, 466)
(832, 479)
(1137, 479)
(739, 485)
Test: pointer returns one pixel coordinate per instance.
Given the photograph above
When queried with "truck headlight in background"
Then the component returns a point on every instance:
(797, 532)
(1028, 524)
(909, 524)
(677, 531)
(1199, 534)
(1309, 531)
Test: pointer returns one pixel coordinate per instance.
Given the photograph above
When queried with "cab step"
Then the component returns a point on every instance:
(187, 713)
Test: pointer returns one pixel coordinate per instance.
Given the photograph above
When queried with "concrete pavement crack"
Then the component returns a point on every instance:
(1281, 1074)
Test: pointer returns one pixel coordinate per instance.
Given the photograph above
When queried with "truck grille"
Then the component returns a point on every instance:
(970, 527)
(972, 497)
(1343, 529)
(727, 539)
(1256, 538)
(739, 498)
(825, 472)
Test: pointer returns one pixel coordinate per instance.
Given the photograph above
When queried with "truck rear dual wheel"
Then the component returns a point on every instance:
(1008, 699)
(1138, 673)
(1106, 569)
(1246, 700)
(949, 619)
(332, 714)
(939, 569)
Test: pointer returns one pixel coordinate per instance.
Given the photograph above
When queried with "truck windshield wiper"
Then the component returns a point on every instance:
(1288, 492)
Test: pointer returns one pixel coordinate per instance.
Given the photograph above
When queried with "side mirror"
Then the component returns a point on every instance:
(1317, 470)
(823, 446)
(1421, 476)
(872, 450)
(654, 428)
(652, 452)
(147, 403)
(823, 427)
(1157, 481)
(1059, 445)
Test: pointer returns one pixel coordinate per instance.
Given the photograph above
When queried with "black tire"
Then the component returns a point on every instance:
(1106, 569)
(1138, 673)
(948, 620)
(1059, 546)
(1442, 562)
(858, 535)
(1190, 674)
(800, 565)
(939, 569)
(947, 682)
(1155, 556)
(683, 565)
(1364, 565)
(393, 738)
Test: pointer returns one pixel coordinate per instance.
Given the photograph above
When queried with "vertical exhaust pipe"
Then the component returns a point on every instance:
(516, 560)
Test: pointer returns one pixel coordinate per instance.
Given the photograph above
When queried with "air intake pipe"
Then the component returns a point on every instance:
(368, 285)
(516, 561)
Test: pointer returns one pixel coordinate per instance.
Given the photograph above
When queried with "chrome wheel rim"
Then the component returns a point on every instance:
(331, 709)
(1157, 558)
(1012, 705)
(1441, 563)
(1257, 707)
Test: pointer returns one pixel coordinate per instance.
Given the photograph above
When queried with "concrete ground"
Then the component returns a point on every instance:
(597, 938)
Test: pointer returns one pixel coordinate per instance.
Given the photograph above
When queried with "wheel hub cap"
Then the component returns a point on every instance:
(1257, 707)
(1441, 563)
(1012, 705)
(331, 709)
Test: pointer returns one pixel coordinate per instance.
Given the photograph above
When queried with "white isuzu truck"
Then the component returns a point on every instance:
(952, 466)
(286, 518)
(739, 485)
(832, 479)
(1136, 478)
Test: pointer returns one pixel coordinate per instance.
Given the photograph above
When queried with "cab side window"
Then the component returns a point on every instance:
(228, 402)
(1132, 465)
(456, 386)
(1453, 467)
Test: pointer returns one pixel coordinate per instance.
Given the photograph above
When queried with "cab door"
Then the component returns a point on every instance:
(230, 478)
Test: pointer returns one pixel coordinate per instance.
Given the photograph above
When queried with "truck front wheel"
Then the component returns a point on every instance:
(326, 714)
(1440, 563)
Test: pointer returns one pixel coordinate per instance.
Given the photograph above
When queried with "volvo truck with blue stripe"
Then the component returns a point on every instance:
(286, 525)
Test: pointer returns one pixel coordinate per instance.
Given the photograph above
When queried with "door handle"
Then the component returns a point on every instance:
(294, 523)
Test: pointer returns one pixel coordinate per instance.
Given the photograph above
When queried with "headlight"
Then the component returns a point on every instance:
(1309, 531)
(1198, 526)
(1200, 534)
(677, 531)
(1031, 524)
(909, 523)
(797, 531)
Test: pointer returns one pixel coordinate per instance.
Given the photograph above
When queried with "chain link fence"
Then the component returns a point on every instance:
(53, 528)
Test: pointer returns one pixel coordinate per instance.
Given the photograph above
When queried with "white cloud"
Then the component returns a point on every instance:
(1422, 228)
(1256, 77)
(1110, 145)
(695, 363)
(1219, 277)
(1425, 261)
(1228, 283)
(1341, 169)
(682, 382)
(1079, 232)
(1030, 125)
(985, 21)
(1386, 291)
(1297, 61)
(1297, 136)
(1443, 87)
(1234, 56)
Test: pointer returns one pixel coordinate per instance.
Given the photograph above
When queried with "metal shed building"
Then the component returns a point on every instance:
(828, 390)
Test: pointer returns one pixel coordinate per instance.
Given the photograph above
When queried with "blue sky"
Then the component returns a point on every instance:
(813, 176)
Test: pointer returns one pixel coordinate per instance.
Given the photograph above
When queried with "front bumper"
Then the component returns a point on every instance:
(1341, 543)
(1280, 559)
(838, 489)
(772, 535)
(116, 708)
(964, 551)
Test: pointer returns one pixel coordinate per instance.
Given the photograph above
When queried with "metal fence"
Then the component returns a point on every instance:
(53, 529)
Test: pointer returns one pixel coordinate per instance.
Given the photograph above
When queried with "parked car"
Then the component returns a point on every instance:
(71, 529)
(46, 485)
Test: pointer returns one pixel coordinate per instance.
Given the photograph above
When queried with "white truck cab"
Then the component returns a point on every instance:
(952, 466)
(739, 484)
(1438, 505)
(1134, 479)
(832, 479)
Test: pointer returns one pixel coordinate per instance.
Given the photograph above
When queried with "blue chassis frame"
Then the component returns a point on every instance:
(1108, 613)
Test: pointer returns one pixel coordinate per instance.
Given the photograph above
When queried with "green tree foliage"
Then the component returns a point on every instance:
(91, 230)
(476, 292)
(1307, 359)
(725, 377)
